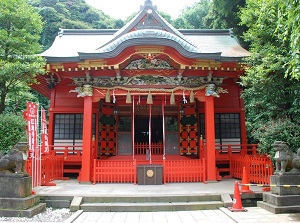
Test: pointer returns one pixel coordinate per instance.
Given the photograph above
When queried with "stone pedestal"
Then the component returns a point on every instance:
(15, 187)
(285, 180)
(282, 199)
(16, 199)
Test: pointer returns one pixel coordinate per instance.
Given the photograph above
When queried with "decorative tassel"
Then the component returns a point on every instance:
(107, 96)
(172, 99)
(128, 98)
(149, 99)
(192, 97)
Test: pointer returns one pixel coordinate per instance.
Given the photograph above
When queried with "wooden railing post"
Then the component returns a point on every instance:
(164, 171)
(134, 171)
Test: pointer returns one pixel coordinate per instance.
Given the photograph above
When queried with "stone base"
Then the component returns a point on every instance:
(279, 204)
(21, 207)
(19, 203)
(16, 199)
(285, 180)
(15, 187)
(29, 213)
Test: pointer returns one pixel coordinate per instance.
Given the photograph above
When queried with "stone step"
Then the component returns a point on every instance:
(29, 213)
(151, 198)
(150, 206)
(57, 201)
(278, 209)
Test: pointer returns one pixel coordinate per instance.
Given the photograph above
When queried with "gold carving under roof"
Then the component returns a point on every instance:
(207, 63)
(56, 67)
(92, 63)
(147, 50)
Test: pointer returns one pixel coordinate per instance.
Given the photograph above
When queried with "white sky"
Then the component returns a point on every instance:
(121, 9)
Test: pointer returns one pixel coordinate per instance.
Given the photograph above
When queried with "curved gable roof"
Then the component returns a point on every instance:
(146, 28)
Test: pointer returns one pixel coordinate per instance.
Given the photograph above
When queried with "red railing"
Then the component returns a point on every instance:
(69, 152)
(51, 169)
(141, 148)
(184, 171)
(258, 167)
(116, 171)
(224, 152)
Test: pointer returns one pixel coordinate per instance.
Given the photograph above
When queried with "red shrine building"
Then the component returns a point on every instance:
(147, 94)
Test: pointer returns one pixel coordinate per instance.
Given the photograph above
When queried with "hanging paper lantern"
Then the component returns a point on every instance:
(107, 96)
(172, 99)
(149, 99)
(128, 98)
(192, 97)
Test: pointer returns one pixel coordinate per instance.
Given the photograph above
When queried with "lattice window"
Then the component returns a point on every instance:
(70, 126)
(227, 126)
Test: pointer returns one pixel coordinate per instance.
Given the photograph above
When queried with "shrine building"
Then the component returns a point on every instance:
(146, 94)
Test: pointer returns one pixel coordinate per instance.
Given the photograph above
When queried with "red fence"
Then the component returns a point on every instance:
(141, 148)
(258, 167)
(125, 171)
(184, 170)
(114, 171)
(51, 169)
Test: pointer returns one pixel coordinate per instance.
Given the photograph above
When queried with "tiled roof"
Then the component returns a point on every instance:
(78, 44)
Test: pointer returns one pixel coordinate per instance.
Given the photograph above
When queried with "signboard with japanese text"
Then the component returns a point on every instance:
(32, 124)
(44, 136)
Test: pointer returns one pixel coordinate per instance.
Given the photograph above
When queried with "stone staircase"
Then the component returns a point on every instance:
(139, 203)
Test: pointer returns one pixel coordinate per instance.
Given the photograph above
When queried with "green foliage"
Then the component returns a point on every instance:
(193, 16)
(277, 130)
(71, 14)
(224, 14)
(20, 27)
(12, 131)
(293, 24)
(271, 96)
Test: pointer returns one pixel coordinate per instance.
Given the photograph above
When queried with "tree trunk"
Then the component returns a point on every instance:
(2, 99)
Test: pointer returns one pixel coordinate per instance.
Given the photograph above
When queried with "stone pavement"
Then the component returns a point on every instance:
(223, 215)
(226, 186)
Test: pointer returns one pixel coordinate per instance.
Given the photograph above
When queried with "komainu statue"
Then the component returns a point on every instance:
(14, 161)
(283, 157)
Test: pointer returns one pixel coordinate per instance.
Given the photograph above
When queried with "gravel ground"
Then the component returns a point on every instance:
(50, 215)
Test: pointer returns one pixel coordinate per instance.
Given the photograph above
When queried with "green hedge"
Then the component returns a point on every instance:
(12, 131)
(277, 130)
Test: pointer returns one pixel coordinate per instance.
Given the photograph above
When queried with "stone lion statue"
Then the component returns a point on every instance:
(14, 161)
(283, 157)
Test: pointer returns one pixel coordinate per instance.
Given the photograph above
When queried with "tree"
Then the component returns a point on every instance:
(193, 16)
(224, 14)
(12, 131)
(293, 22)
(20, 27)
(69, 14)
(270, 94)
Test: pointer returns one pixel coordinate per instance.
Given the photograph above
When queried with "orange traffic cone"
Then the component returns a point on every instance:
(245, 180)
(237, 201)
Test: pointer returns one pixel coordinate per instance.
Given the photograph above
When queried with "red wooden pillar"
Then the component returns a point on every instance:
(210, 138)
(51, 119)
(85, 175)
(243, 130)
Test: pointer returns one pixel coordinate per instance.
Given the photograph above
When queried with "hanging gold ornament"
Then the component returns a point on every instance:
(128, 98)
(149, 99)
(172, 99)
(192, 97)
(107, 96)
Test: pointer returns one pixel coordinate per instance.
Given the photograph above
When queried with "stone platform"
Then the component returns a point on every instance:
(16, 199)
(282, 199)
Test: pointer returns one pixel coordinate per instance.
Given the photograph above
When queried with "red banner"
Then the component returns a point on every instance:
(32, 120)
(45, 145)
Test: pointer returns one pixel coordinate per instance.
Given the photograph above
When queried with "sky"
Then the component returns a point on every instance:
(121, 9)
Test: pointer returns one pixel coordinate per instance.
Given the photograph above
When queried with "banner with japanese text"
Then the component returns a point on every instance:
(32, 124)
(44, 136)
